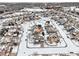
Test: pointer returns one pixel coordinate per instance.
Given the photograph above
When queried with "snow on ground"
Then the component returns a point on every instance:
(42, 22)
(23, 50)
(34, 9)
